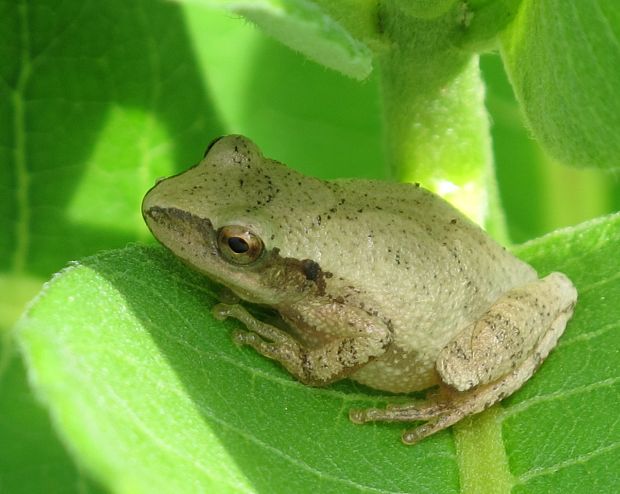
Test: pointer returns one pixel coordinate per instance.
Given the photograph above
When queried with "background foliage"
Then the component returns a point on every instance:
(99, 99)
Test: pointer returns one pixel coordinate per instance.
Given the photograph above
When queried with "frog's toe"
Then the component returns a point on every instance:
(246, 338)
(281, 351)
(222, 311)
(398, 413)
(419, 410)
(363, 415)
(438, 415)
(413, 436)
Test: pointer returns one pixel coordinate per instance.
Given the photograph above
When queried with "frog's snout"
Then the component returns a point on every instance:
(174, 216)
(168, 224)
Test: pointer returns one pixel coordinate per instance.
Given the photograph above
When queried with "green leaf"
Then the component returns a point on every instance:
(96, 101)
(538, 195)
(89, 103)
(570, 405)
(149, 390)
(425, 9)
(32, 458)
(266, 91)
(304, 26)
(483, 20)
(563, 61)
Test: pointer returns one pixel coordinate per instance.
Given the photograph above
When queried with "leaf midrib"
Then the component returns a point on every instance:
(481, 455)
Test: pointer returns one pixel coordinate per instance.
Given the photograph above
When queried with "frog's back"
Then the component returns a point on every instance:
(429, 269)
(407, 230)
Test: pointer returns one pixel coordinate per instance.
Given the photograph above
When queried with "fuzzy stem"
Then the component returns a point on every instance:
(437, 128)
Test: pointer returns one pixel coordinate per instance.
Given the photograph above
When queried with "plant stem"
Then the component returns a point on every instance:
(437, 128)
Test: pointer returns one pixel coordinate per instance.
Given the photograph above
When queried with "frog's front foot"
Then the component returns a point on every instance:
(282, 351)
(256, 327)
(312, 366)
(267, 340)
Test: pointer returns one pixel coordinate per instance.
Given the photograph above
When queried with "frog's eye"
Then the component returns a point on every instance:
(238, 244)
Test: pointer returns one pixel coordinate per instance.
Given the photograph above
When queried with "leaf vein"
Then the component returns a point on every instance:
(600, 283)
(524, 405)
(590, 335)
(298, 463)
(22, 175)
(581, 459)
(153, 436)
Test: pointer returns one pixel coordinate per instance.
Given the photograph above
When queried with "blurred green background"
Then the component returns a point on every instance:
(97, 101)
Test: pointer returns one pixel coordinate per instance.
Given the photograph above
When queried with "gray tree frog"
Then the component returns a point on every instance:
(383, 283)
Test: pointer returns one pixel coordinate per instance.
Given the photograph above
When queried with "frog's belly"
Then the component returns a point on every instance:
(399, 373)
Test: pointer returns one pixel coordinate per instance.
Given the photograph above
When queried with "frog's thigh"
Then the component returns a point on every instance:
(523, 324)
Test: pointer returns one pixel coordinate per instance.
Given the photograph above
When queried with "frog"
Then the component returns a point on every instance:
(379, 282)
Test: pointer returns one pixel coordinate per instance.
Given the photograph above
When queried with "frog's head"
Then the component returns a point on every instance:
(222, 217)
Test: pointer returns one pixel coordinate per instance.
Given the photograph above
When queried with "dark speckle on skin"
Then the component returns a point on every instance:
(311, 269)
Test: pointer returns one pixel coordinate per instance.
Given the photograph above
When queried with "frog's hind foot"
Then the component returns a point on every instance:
(397, 413)
(439, 415)
(443, 409)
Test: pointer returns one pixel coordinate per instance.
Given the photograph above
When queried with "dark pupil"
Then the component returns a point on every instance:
(238, 245)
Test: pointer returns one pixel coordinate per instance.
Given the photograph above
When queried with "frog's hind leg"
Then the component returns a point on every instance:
(449, 406)
(526, 320)
(474, 379)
